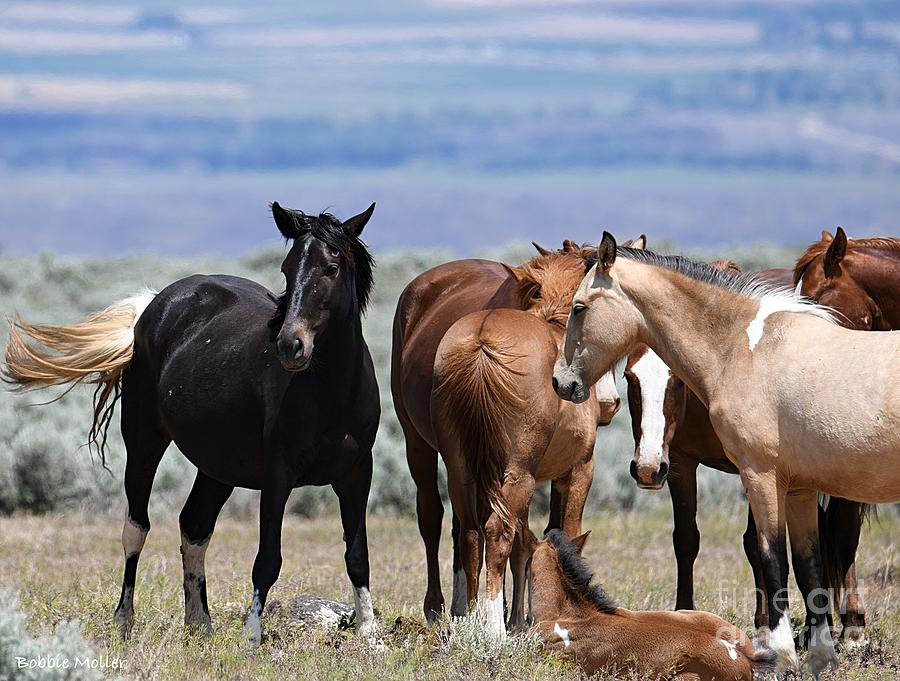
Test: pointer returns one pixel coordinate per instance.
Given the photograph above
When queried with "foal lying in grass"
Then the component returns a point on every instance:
(579, 619)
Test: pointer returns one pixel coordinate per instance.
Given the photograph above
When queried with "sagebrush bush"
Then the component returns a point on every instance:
(43, 466)
(62, 653)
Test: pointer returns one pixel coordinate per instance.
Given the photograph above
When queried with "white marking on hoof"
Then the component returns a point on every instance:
(253, 626)
(564, 634)
(459, 604)
(365, 614)
(193, 561)
(731, 647)
(821, 650)
(492, 614)
(781, 641)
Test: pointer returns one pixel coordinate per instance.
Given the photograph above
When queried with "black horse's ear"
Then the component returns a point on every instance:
(579, 541)
(354, 226)
(606, 252)
(287, 223)
(835, 254)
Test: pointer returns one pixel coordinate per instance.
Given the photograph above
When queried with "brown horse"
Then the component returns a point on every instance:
(673, 436)
(577, 618)
(473, 352)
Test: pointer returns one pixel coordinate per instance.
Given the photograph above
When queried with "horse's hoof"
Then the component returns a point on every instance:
(821, 658)
(253, 631)
(853, 639)
(124, 621)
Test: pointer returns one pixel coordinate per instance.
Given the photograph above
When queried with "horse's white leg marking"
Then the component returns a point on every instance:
(781, 640)
(492, 612)
(365, 614)
(133, 537)
(821, 650)
(459, 603)
(653, 375)
(253, 627)
(564, 634)
(193, 561)
(731, 647)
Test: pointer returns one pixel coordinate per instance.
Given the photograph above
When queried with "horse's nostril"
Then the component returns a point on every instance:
(663, 471)
(298, 348)
(634, 471)
(555, 385)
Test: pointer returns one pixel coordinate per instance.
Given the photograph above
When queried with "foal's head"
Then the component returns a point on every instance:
(328, 277)
(825, 274)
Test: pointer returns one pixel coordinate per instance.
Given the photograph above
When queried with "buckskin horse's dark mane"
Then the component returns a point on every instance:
(577, 574)
(327, 228)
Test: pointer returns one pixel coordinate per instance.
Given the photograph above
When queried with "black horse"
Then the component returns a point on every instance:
(257, 391)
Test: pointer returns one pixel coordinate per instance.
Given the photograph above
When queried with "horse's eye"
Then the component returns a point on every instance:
(578, 309)
(536, 294)
(331, 270)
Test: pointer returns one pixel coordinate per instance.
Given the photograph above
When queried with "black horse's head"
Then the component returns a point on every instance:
(328, 276)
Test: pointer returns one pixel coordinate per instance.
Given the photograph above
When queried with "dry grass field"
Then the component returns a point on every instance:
(69, 567)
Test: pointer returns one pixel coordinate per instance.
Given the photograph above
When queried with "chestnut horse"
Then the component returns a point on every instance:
(473, 351)
(673, 436)
(578, 619)
(800, 404)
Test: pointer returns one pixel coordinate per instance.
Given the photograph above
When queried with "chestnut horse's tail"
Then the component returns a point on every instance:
(478, 390)
(95, 350)
(840, 521)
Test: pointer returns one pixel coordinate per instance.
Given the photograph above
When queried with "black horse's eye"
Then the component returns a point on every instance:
(578, 309)
(331, 270)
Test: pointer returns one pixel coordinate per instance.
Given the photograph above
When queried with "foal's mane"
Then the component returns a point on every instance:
(818, 249)
(747, 285)
(327, 228)
(557, 275)
(577, 574)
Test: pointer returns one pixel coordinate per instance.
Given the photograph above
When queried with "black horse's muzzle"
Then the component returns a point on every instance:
(294, 353)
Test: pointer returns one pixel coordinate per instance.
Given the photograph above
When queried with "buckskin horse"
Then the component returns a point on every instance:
(577, 618)
(260, 391)
(797, 400)
(473, 350)
(673, 436)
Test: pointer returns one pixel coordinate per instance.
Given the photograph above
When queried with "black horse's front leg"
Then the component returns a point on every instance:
(276, 489)
(353, 495)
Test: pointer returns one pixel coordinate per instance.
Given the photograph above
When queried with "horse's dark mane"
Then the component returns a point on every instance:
(577, 574)
(327, 228)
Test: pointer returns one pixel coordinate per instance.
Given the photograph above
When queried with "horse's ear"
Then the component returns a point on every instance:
(640, 243)
(515, 272)
(354, 226)
(570, 246)
(540, 249)
(286, 222)
(606, 252)
(580, 541)
(826, 235)
(835, 254)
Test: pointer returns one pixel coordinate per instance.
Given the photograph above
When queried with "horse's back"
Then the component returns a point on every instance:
(429, 305)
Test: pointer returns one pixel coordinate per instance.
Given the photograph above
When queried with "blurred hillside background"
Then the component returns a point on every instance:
(142, 141)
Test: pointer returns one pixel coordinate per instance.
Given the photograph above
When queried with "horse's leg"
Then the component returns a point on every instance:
(574, 494)
(422, 461)
(751, 549)
(853, 613)
(197, 521)
(767, 499)
(803, 522)
(498, 540)
(839, 529)
(519, 565)
(459, 602)
(353, 495)
(558, 490)
(685, 535)
(145, 444)
(275, 491)
(468, 540)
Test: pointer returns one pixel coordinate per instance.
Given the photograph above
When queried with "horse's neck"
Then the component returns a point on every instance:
(341, 348)
(878, 273)
(692, 326)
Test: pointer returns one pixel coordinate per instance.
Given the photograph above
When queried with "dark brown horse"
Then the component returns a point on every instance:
(474, 344)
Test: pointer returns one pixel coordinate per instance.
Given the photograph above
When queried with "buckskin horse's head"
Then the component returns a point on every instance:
(328, 276)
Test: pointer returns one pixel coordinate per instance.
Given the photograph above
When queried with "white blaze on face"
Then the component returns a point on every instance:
(563, 634)
(653, 376)
(606, 389)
